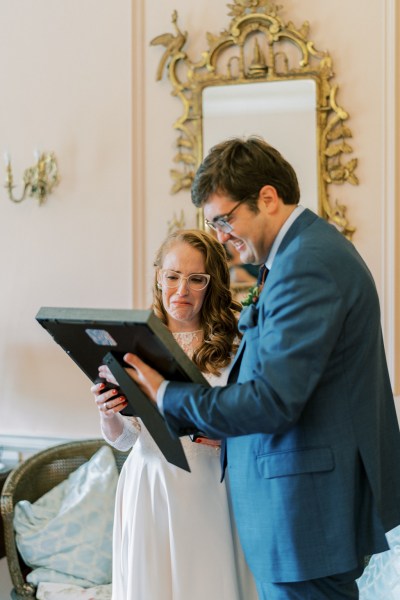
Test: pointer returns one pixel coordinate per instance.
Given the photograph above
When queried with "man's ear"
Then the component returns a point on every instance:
(269, 197)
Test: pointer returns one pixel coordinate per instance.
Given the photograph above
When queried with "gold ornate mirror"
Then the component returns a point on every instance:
(262, 76)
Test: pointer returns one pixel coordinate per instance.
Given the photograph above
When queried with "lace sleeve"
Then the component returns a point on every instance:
(129, 435)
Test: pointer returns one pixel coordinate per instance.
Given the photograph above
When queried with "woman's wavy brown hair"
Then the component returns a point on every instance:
(217, 315)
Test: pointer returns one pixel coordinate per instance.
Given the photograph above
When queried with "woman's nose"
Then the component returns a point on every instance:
(183, 287)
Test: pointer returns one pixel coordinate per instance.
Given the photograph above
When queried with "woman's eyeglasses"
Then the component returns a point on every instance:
(222, 223)
(195, 281)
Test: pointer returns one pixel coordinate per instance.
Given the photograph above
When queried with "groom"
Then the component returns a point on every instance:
(312, 440)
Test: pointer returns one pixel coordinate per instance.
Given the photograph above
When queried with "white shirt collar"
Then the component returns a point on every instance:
(281, 234)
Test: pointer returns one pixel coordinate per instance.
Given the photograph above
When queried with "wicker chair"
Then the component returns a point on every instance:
(29, 481)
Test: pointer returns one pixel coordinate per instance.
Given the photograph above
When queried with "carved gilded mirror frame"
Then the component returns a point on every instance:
(258, 47)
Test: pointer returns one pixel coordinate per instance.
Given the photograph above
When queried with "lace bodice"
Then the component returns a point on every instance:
(189, 340)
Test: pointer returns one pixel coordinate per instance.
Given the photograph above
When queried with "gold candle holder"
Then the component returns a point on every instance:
(39, 180)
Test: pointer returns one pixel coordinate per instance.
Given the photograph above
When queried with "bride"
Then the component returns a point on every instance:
(174, 538)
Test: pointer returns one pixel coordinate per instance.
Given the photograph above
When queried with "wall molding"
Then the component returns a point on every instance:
(139, 246)
(390, 302)
(16, 448)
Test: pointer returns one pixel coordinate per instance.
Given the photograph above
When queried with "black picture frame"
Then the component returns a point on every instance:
(91, 337)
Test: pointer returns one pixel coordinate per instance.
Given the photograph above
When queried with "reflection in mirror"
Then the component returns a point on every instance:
(281, 112)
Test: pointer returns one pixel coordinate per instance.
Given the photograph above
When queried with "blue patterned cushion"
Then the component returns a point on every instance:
(381, 578)
(66, 536)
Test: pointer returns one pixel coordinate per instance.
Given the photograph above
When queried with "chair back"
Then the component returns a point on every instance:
(31, 480)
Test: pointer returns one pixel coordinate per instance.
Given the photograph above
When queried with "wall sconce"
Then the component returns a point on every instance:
(39, 180)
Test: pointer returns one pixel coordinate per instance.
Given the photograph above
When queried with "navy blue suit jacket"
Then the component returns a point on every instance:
(313, 443)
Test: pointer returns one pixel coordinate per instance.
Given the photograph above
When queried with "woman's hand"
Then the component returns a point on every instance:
(109, 402)
(105, 373)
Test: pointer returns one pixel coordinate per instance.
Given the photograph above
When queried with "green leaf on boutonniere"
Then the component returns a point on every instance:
(252, 296)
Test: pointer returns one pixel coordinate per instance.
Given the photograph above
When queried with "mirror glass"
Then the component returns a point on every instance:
(281, 112)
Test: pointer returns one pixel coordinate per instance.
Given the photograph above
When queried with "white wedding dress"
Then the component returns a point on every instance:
(173, 534)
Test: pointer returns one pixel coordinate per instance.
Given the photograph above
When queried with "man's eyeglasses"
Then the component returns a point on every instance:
(222, 223)
(195, 281)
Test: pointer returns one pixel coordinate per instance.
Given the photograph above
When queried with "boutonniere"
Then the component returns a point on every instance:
(252, 296)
